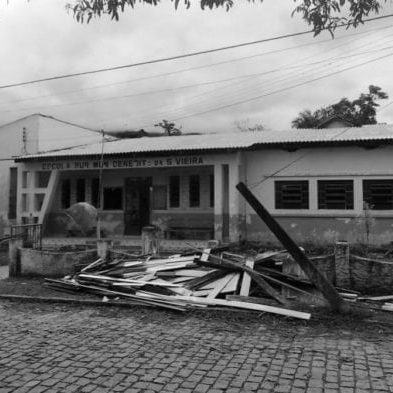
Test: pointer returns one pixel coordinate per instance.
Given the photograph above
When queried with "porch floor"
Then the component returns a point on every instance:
(134, 242)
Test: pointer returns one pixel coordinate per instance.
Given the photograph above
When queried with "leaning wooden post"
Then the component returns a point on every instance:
(333, 297)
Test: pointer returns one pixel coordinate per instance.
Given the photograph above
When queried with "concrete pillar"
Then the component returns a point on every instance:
(237, 205)
(150, 241)
(341, 254)
(103, 248)
(218, 201)
(14, 266)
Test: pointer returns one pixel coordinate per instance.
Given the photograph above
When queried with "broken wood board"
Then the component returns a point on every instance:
(232, 284)
(376, 298)
(248, 306)
(185, 272)
(246, 283)
(220, 285)
(265, 286)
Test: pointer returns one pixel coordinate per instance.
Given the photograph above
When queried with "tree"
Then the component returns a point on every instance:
(169, 127)
(320, 14)
(244, 125)
(358, 112)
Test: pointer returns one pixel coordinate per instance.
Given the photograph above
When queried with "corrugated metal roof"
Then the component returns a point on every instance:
(223, 141)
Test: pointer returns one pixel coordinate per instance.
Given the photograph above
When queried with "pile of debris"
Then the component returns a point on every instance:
(201, 279)
(383, 303)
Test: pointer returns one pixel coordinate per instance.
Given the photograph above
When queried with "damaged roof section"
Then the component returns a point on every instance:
(380, 133)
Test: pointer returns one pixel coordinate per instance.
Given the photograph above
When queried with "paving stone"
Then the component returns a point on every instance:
(128, 351)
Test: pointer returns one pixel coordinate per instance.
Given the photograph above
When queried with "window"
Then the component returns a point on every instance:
(66, 193)
(211, 190)
(80, 190)
(12, 194)
(174, 191)
(113, 198)
(194, 191)
(291, 194)
(95, 192)
(42, 179)
(335, 194)
(378, 194)
(159, 197)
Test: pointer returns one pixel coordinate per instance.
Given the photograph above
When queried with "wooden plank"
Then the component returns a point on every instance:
(376, 298)
(204, 292)
(95, 263)
(335, 300)
(246, 283)
(267, 256)
(227, 264)
(181, 279)
(248, 306)
(200, 281)
(232, 285)
(191, 272)
(261, 282)
(220, 286)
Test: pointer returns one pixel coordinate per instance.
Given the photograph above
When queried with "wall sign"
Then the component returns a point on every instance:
(119, 163)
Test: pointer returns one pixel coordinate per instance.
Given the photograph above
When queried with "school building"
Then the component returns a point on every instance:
(322, 185)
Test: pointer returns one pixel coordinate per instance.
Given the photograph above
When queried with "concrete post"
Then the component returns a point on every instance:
(103, 248)
(14, 266)
(219, 208)
(341, 256)
(150, 241)
(237, 205)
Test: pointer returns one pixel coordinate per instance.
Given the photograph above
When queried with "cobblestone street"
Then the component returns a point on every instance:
(53, 348)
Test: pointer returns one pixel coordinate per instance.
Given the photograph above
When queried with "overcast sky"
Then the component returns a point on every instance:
(268, 83)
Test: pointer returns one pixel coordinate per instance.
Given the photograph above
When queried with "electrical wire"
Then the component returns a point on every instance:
(184, 70)
(182, 56)
(173, 89)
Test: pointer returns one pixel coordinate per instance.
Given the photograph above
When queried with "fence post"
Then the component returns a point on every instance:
(341, 257)
(103, 248)
(14, 267)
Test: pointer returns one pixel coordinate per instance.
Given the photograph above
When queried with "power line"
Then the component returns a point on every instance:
(219, 81)
(186, 55)
(179, 116)
(281, 90)
(184, 70)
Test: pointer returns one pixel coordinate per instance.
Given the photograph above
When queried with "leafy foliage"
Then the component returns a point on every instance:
(320, 14)
(169, 127)
(359, 111)
(245, 125)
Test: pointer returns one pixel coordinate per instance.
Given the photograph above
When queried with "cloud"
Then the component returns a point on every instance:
(41, 40)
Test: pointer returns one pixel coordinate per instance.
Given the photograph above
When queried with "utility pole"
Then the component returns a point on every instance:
(100, 188)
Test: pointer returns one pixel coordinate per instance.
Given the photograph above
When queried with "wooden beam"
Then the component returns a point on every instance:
(221, 263)
(247, 306)
(333, 297)
(246, 282)
(220, 285)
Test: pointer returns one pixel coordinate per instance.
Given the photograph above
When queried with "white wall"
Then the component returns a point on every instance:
(353, 163)
(54, 134)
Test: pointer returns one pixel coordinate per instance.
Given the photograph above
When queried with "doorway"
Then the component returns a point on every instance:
(137, 204)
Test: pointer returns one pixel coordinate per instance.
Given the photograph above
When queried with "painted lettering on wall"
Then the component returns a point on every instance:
(125, 163)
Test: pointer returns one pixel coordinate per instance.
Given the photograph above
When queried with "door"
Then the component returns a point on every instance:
(137, 205)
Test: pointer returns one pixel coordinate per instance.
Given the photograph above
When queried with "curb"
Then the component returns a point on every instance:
(85, 302)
